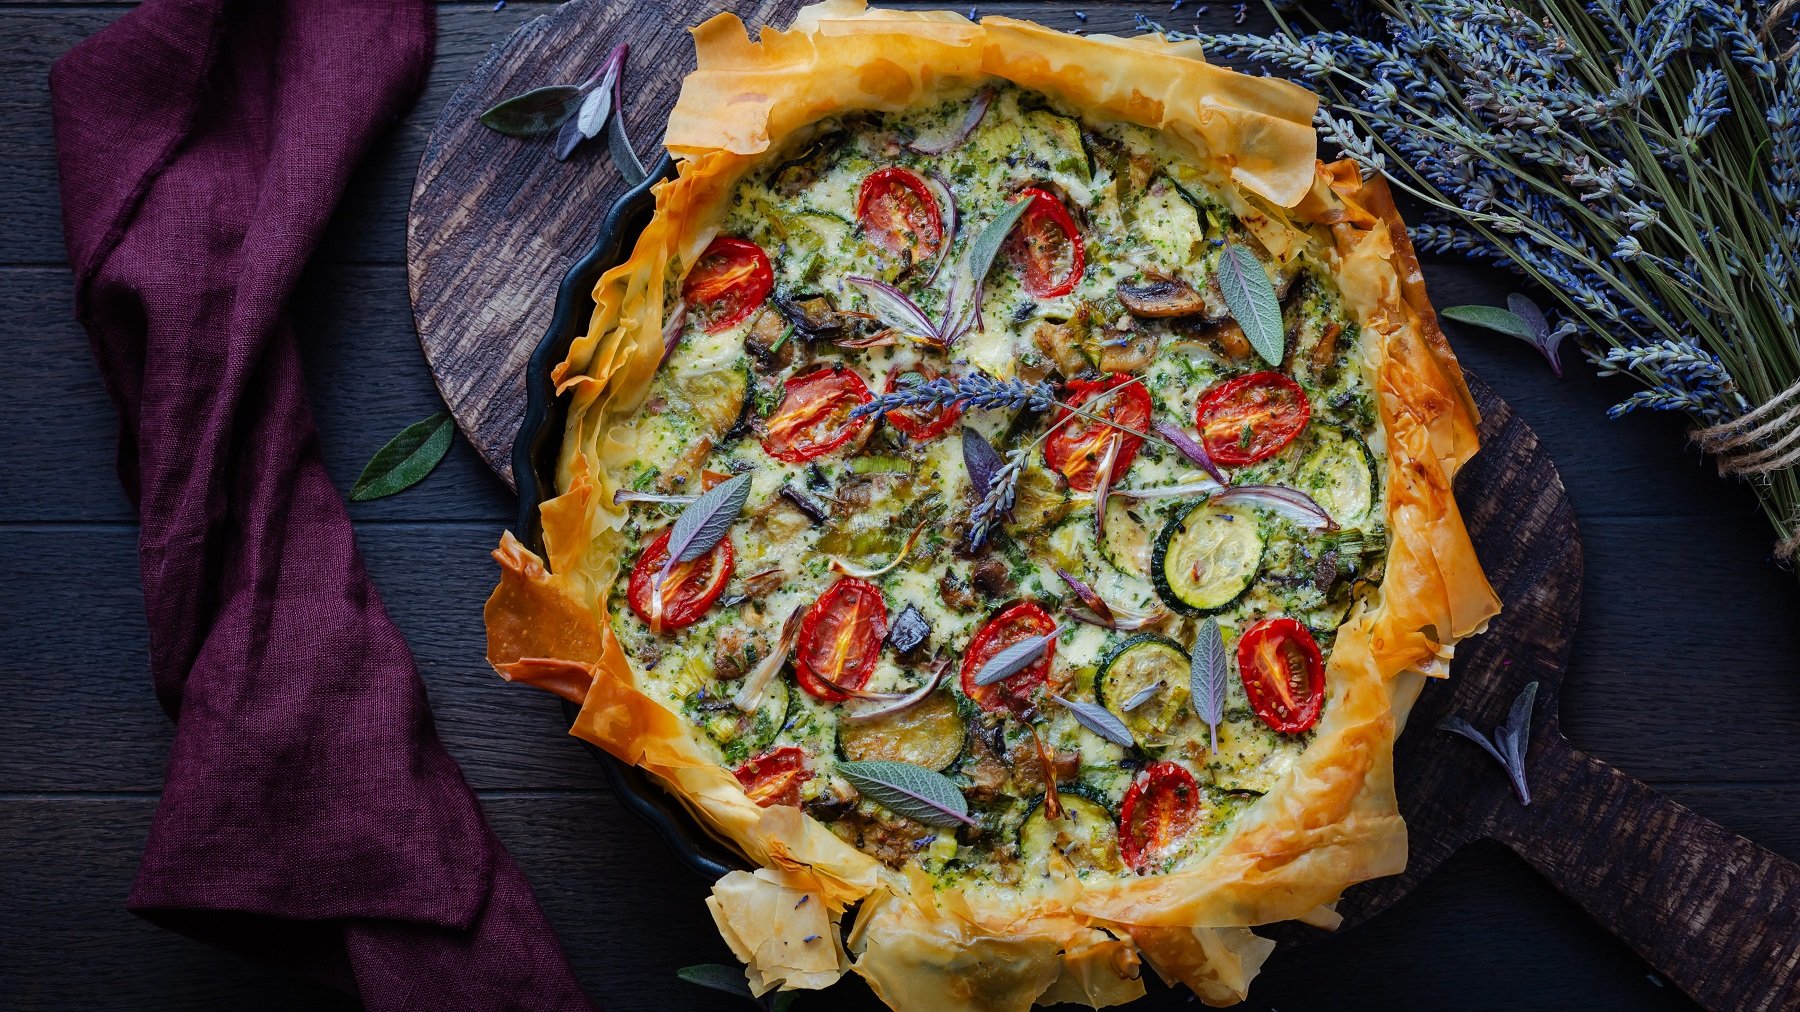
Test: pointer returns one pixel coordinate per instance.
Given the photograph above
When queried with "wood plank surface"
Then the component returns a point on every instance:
(1683, 671)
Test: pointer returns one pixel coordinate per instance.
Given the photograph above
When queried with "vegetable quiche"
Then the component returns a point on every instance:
(1005, 492)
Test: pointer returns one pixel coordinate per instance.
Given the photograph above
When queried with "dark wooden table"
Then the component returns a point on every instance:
(1685, 670)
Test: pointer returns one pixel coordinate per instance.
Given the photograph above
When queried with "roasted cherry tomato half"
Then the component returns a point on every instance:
(1076, 449)
(923, 423)
(900, 214)
(774, 778)
(680, 598)
(840, 639)
(1045, 246)
(728, 282)
(1159, 809)
(1283, 673)
(1014, 623)
(814, 416)
(1252, 417)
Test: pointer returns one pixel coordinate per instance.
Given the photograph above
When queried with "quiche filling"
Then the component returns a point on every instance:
(880, 570)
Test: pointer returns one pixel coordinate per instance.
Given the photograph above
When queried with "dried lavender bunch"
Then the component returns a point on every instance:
(975, 390)
(1640, 159)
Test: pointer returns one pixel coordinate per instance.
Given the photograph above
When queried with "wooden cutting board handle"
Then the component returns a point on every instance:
(1716, 914)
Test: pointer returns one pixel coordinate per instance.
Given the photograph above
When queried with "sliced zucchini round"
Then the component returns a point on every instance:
(1339, 473)
(1127, 544)
(931, 734)
(1086, 835)
(1135, 665)
(1206, 558)
(749, 733)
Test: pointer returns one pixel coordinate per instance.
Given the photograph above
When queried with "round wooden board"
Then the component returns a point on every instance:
(495, 221)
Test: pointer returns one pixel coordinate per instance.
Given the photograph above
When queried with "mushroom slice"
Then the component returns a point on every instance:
(1161, 298)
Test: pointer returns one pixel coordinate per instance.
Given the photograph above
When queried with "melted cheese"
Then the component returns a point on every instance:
(1142, 209)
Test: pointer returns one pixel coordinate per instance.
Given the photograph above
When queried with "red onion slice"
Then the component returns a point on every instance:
(1090, 598)
(625, 495)
(1288, 502)
(671, 333)
(1103, 486)
(948, 203)
(892, 307)
(906, 701)
(749, 696)
(1190, 448)
(977, 109)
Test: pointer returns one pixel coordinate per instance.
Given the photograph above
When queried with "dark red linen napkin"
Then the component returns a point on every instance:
(310, 817)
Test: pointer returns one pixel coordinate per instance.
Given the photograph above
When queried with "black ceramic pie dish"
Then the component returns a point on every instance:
(534, 469)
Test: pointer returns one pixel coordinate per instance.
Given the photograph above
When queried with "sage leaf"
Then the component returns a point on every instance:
(618, 145)
(981, 459)
(597, 106)
(1142, 696)
(1511, 741)
(406, 459)
(1099, 720)
(909, 790)
(986, 246)
(729, 979)
(1209, 667)
(1251, 298)
(706, 522)
(538, 111)
(1015, 658)
(962, 303)
(1493, 318)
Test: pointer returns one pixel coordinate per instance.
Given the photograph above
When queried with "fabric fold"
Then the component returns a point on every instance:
(311, 818)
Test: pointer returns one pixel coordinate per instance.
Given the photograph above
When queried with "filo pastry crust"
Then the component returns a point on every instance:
(1330, 823)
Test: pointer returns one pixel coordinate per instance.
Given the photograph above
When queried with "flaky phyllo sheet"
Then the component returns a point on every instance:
(1331, 822)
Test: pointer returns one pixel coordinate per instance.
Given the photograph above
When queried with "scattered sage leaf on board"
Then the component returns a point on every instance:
(706, 522)
(1015, 658)
(538, 111)
(1099, 720)
(1494, 318)
(717, 976)
(906, 789)
(597, 106)
(1547, 341)
(1209, 668)
(618, 144)
(406, 459)
(1511, 740)
(568, 139)
(1251, 298)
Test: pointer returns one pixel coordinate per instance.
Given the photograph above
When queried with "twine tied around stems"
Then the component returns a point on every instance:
(1760, 442)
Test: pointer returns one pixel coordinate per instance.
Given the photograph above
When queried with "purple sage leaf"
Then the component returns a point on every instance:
(1015, 658)
(981, 459)
(538, 111)
(1251, 298)
(706, 522)
(1546, 341)
(1099, 720)
(909, 790)
(1208, 668)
